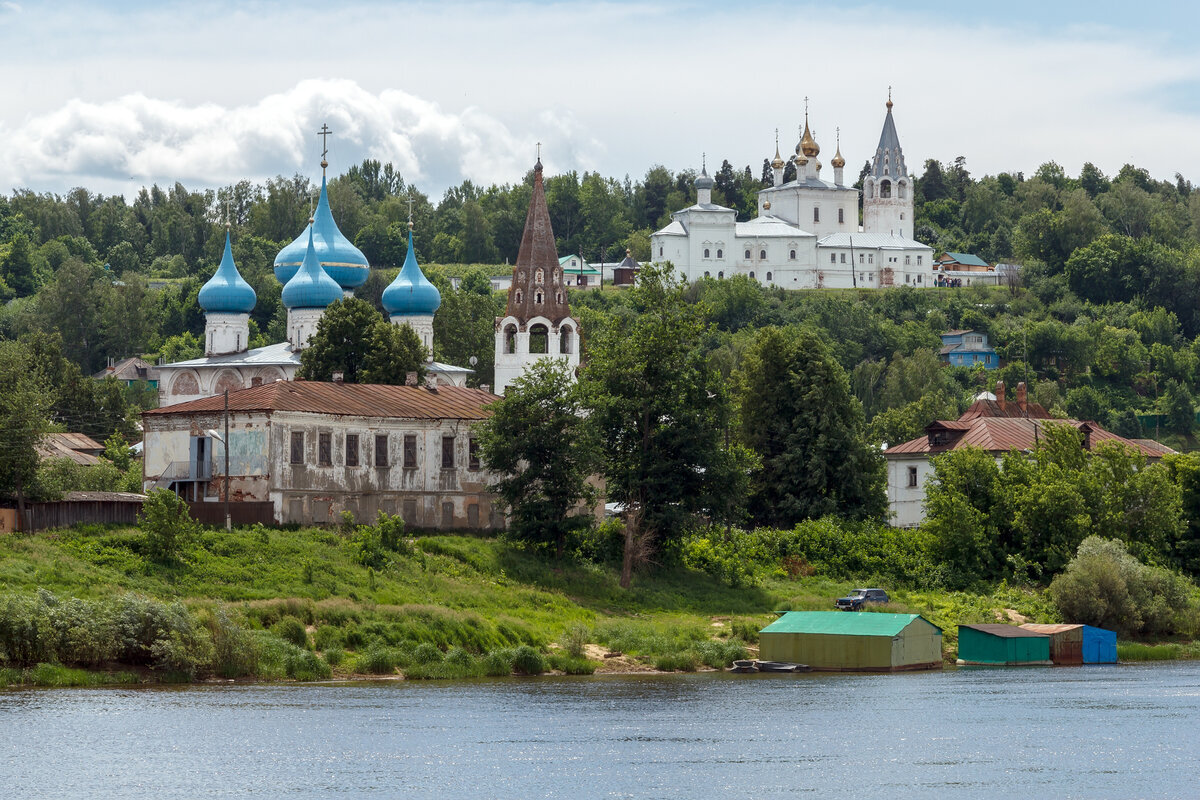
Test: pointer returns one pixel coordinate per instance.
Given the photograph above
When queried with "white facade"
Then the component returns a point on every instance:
(906, 478)
(519, 345)
(422, 325)
(226, 333)
(806, 234)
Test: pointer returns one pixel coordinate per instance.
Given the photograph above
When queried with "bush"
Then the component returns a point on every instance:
(291, 630)
(377, 660)
(1105, 586)
(334, 656)
(426, 653)
(603, 544)
(719, 655)
(168, 526)
(498, 663)
(574, 640)
(572, 665)
(304, 665)
(677, 662)
(235, 650)
(528, 661)
(326, 637)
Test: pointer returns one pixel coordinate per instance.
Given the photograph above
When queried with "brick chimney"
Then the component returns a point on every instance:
(1021, 396)
(1000, 401)
(339, 377)
(410, 379)
(431, 382)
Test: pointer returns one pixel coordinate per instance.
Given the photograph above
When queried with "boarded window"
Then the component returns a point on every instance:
(325, 449)
(351, 449)
(472, 454)
(409, 512)
(410, 451)
(447, 452)
(381, 450)
(447, 515)
(297, 454)
(473, 515)
(295, 509)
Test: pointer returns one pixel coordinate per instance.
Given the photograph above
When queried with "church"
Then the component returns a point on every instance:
(807, 233)
(317, 268)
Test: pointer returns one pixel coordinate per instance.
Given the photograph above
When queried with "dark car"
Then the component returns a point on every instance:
(861, 597)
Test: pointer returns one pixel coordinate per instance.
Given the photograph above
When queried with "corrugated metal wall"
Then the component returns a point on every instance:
(919, 645)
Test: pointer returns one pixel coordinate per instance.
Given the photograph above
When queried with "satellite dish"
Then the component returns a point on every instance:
(472, 361)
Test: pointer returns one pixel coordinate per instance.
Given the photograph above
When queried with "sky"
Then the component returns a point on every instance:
(117, 95)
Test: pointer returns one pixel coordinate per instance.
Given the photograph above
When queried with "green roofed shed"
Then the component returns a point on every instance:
(856, 641)
(998, 644)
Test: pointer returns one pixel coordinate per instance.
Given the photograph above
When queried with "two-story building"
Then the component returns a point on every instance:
(313, 450)
(968, 348)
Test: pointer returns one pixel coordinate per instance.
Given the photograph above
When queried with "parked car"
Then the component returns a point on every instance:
(859, 598)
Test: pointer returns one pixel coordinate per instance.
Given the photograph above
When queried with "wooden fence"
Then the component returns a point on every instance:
(241, 513)
(65, 513)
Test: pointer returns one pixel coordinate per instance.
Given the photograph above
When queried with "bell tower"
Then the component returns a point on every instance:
(887, 189)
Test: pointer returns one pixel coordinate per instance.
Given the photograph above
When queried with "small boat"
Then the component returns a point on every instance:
(743, 667)
(781, 666)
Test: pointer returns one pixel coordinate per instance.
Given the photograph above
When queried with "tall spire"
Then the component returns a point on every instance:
(537, 289)
(889, 158)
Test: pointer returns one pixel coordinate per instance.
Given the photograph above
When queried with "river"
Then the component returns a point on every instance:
(1097, 731)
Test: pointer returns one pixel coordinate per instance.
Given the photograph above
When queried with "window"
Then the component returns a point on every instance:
(539, 275)
(510, 338)
(841, 215)
(768, 277)
(720, 253)
(861, 258)
(538, 297)
(660, 252)
(901, 192)
(410, 451)
(706, 254)
(792, 255)
(706, 274)
(919, 260)
(351, 449)
(565, 340)
(870, 258)
(901, 215)
(885, 189)
(325, 449)
(539, 338)
(381, 450)
(747, 254)
(833, 258)
(816, 213)
(908, 261)
(912, 476)
(843, 258)
(472, 454)
(762, 255)
(720, 274)
(519, 296)
(447, 452)
(297, 455)
(751, 274)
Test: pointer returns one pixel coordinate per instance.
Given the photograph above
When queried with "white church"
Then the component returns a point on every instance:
(807, 233)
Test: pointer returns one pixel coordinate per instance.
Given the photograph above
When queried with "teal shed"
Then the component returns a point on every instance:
(853, 641)
(1001, 645)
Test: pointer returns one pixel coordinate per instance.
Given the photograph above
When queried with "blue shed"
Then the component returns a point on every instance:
(1078, 644)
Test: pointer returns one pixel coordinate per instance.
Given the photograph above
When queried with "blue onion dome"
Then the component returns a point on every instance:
(344, 262)
(226, 291)
(310, 287)
(411, 293)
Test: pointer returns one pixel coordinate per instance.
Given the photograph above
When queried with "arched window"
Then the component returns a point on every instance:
(885, 188)
(901, 215)
(519, 296)
(792, 255)
(538, 297)
(539, 276)
(720, 274)
(720, 254)
(751, 274)
(510, 338)
(539, 338)
(768, 277)
(816, 213)
(901, 190)
(747, 254)
(564, 339)
(841, 215)
(558, 297)
(706, 253)
(762, 255)
(706, 274)
(557, 276)
(660, 252)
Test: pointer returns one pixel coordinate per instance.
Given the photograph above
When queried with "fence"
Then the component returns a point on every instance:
(67, 512)
(240, 513)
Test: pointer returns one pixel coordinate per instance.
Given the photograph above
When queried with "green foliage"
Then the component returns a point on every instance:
(527, 661)
(168, 526)
(574, 639)
(354, 339)
(291, 630)
(536, 443)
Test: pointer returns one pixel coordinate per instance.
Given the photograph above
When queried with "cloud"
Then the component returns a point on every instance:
(135, 140)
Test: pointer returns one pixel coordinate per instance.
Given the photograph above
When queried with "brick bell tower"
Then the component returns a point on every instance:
(538, 322)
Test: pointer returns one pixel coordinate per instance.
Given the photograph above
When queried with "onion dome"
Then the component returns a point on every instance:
(702, 180)
(838, 162)
(411, 293)
(344, 262)
(226, 291)
(808, 145)
(777, 162)
(310, 287)
(800, 160)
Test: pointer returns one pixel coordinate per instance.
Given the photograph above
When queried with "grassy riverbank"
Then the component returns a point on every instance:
(309, 604)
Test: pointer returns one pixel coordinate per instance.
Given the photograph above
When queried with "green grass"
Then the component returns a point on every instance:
(57, 675)
(1136, 651)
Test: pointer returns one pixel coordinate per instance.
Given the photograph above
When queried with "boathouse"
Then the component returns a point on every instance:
(1002, 645)
(1078, 644)
(853, 641)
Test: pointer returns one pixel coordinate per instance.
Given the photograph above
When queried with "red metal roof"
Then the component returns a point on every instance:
(346, 399)
(993, 408)
(1001, 434)
(1005, 631)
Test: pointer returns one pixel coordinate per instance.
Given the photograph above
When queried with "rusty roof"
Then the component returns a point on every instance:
(346, 399)
(75, 447)
(1040, 627)
(130, 369)
(1009, 408)
(1001, 434)
(1006, 631)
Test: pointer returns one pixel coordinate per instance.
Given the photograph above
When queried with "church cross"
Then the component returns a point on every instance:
(539, 151)
(324, 133)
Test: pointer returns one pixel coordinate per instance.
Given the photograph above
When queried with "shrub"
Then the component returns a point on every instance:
(304, 665)
(168, 526)
(326, 637)
(574, 640)
(426, 653)
(676, 662)
(235, 650)
(377, 660)
(291, 630)
(603, 544)
(334, 656)
(720, 654)
(528, 661)
(572, 665)
(498, 663)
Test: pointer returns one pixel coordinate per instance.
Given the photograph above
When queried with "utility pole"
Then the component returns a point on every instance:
(228, 519)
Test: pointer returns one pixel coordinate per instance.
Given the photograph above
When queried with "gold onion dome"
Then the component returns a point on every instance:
(808, 145)
(800, 160)
(838, 162)
(777, 162)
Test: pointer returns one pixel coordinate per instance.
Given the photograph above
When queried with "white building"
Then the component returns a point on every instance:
(538, 322)
(313, 450)
(806, 234)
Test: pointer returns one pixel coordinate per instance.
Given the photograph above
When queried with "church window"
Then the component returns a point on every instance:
(564, 340)
(792, 255)
(747, 254)
(706, 253)
(519, 296)
(901, 215)
(816, 213)
(510, 338)
(660, 252)
(720, 274)
(706, 274)
(841, 215)
(762, 255)
(539, 339)
(558, 297)
(751, 274)
(540, 275)
(538, 297)
(557, 276)
(885, 188)
(720, 254)
(768, 277)
(833, 258)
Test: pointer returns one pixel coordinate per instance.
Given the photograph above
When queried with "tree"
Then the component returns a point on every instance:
(167, 524)
(353, 338)
(661, 415)
(535, 442)
(798, 415)
(24, 404)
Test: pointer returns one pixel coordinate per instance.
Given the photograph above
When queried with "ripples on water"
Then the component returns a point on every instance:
(1105, 731)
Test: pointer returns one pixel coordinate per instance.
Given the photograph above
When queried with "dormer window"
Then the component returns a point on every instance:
(538, 297)
(540, 276)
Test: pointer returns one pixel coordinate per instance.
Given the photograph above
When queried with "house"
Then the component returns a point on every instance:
(312, 450)
(76, 447)
(625, 273)
(579, 273)
(994, 644)
(853, 641)
(1078, 644)
(129, 371)
(964, 269)
(966, 348)
(997, 426)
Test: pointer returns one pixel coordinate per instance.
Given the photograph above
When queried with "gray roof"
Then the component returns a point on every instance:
(889, 146)
(768, 225)
(884, 241)
(674, 229)
(280, 354)
(805, 182)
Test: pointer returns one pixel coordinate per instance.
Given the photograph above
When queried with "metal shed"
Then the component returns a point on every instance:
(1078, 644)
(996, 644)
(860, 641)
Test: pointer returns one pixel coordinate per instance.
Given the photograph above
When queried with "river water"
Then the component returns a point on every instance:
(1099, 731)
